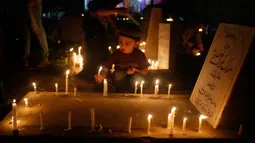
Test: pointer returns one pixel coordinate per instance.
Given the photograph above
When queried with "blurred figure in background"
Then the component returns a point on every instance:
(33, 24)
(192, 39)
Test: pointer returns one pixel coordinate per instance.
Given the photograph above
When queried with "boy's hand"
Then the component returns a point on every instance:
(131, 71)
(99, 78)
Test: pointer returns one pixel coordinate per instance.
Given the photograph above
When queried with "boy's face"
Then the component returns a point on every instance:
(126, 44)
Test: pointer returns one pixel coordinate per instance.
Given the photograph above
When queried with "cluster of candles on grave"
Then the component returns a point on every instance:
(75, 61)
(153, 64)
(170, 120)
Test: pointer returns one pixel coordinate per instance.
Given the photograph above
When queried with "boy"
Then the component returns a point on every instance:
(131, 64)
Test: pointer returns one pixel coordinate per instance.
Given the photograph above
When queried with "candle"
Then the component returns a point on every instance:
(169, 90)
(41, 121)
(74, 91)
(156, 65)
(92, 113)
(141, 88)
(149, 124)
(113, 68)
(79, 51)
(198, 54)
(152, 65)
(110, 49)
(156, 87)
(118, 46)
(56, 88)
(74, 58)
(136, 84)
(200, 29)
(69, 120)
(172, 120)
(129, 124)
(240, 130)
(67, 73)
(105, 92)
(26, 101)
(169, 121)
(81, 61)
(34, 86)
(201, 117)
(14, 115)
(184, 124)
(99, 70)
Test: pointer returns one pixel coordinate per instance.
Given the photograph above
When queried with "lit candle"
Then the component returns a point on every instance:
(74, 58)
(81, 61)
(169, 121)
(169, 90)
(74, 91)
(141, 87)
(69, 120)
(67, 73)
(156, 87)
(149, 124)
(110, 49)
(200, 29)
(156, 65)
(136, 84)
(56, 88)
(184, 124)
(26, 101)
(41, 121)
(99, 70)
(198, 54)
(129, 124)
(172, 120)
(113, 68)
(14, 115)
(152, 65)
(92, 113)
(79, 51)
(118, 46)
(201, 117)
(105, 92)
(34, 86)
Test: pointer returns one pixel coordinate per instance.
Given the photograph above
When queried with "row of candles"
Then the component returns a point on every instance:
(170, 120)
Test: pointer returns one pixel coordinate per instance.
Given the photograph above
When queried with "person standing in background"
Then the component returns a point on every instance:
(33, 23)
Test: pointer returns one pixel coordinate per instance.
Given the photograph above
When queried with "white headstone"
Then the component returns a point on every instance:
(164, 45)
(151, 49)
(220, 70)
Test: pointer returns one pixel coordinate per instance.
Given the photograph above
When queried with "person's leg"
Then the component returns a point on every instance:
(27, 35)
(120, 81)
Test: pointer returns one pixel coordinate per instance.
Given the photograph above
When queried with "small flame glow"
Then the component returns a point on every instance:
(34, 84)
(67, 72)
(157, 81)
(202, 117)
(14, 100)
(71, 50)
(149, 116)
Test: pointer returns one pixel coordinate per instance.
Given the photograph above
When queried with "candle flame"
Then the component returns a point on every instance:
(173, 109)
(14, 100)
(67, 72)
(100, 68)
(169, 19)
(118, 46)
(170, 85)
(157, 81)
(141, 18)
(169, 115)
(136, 83)
(80, 48)
(198, 54)
(34, 84)
(71, 49)
(142, 82)
(149, 61)
(185, 119)
(202, 117)
(200, 30)
(56, 84)
(25, 99)
(105, 81)
(149, 116)
(109, 47)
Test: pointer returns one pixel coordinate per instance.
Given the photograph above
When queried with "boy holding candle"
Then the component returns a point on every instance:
(131, 64)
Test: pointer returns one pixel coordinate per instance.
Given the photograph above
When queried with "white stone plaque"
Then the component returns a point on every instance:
(220, 70)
